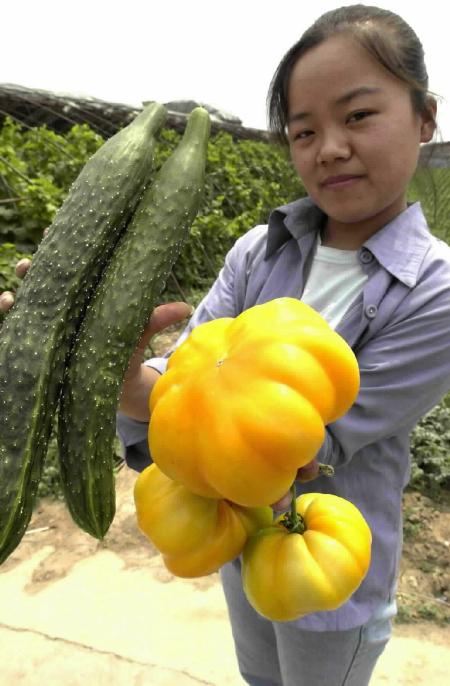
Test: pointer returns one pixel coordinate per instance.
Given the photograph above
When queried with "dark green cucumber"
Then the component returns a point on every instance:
(37, 334)
(113, 323)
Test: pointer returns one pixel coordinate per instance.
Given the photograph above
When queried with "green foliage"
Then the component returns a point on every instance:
(37, 167)
(50, 484)
(244, 181)
(432, 188)
(417, 609)
(413, 523)
(430, 451)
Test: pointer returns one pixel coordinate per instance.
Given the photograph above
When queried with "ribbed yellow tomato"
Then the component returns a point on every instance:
(244, 401)
(195, 535)
(286, 575)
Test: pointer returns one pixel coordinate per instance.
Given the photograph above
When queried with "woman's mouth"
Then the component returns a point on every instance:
(342, 181)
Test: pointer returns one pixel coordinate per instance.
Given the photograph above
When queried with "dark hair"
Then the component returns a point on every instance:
(385, 35)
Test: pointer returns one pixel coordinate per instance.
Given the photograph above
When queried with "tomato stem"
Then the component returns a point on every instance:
(294, 514)
(294, 522)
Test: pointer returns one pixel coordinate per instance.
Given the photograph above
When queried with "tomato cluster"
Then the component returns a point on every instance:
(242, 406)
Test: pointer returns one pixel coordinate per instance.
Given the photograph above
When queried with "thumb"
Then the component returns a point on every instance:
(168, 314)
(164, 316)
(308, 472)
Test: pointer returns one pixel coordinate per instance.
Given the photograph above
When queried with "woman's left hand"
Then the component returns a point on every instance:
(306, 473)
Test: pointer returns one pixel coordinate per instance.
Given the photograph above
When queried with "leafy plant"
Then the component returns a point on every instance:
(245, 181)
(412, 609)
(37, 167)
(430, 451)
(431, 186)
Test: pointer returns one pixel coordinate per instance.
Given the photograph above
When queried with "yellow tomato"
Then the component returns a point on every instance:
(287, 575)
(195, 535)
(244, 401)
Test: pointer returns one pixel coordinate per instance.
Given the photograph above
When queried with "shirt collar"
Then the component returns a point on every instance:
(399, 247)
(292, 221)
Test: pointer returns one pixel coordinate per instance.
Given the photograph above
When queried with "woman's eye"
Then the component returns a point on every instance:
(358, 116)
(301, 135)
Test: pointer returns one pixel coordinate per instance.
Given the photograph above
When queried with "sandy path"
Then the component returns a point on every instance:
(75, 611)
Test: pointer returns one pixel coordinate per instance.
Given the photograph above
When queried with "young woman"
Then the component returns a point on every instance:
(351, 101)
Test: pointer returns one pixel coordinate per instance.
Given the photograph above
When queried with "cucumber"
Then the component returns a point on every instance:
(113, 323)
(37, 334)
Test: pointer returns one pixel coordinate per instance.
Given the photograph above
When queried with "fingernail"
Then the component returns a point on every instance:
(22, 267)
(281, 506)
(6, 300)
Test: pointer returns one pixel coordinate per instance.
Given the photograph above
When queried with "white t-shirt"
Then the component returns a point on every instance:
(335, 279)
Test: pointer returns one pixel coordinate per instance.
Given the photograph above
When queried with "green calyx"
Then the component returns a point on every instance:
(292, 520)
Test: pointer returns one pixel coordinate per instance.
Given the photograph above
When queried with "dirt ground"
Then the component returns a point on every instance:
(424, 585)
(64, 575)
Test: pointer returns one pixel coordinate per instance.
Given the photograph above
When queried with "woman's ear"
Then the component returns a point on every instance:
(428, 116)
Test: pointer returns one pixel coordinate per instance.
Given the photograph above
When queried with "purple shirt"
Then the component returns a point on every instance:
(399, 329)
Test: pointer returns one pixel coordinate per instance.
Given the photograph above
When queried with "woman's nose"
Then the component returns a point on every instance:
(333, 145)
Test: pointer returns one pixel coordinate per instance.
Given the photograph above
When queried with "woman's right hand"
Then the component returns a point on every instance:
(140, 379)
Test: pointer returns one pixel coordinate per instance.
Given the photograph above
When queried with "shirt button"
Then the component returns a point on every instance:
(366, 256)
(371, 311)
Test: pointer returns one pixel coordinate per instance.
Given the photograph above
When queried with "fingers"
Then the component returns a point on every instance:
(283, 504)
(306, 473)
(7, 298)
(309, 472)
(22, 267)
(166, 315)
(162, 317)
(6, 301)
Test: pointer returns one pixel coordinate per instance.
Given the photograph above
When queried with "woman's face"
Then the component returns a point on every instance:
(354, 138)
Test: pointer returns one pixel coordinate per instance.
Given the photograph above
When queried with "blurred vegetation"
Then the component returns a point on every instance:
(245, 180)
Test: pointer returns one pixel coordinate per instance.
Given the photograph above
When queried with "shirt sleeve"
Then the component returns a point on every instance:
(404, 372)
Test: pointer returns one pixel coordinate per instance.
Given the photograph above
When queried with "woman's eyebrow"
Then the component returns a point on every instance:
(342, 100)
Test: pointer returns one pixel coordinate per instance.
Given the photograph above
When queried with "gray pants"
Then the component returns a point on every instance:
(277, 654)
